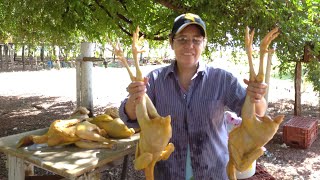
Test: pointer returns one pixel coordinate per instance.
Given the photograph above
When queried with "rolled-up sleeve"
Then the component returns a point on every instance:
(235, 94)
(124, 117)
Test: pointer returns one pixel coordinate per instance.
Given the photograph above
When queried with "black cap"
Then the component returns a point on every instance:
(184, 20)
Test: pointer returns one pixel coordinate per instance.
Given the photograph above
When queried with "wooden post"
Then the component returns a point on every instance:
(297, 88)
(16, 168)
(84, 77)
(78, 79)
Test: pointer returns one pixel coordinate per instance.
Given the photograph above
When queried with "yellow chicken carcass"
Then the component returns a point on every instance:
(112, 111)
(80, 113)
(114, 127)
(155, 131)
(63, 132)
(246, 141)
(88, 131)
(92, 136)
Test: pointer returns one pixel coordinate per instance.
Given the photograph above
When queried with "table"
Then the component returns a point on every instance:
(68, 161)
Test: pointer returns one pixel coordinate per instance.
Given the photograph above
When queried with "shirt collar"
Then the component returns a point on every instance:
(201, 68)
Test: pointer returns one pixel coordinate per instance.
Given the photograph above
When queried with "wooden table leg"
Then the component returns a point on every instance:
(17, 168)
(28, 169)
(124, 168)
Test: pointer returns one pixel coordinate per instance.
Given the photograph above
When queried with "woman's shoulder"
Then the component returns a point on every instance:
(160, 71)
(214, 70)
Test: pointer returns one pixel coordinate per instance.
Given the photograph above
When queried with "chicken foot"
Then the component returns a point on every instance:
(156, 131)
(246, 141)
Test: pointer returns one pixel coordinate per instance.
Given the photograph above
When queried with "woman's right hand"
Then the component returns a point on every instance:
(136, 90)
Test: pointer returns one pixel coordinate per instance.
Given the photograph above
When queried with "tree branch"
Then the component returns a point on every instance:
(123, 4)
(110, 15)
(130, 22)
(174, 5)
(103, 8)
(124, 18)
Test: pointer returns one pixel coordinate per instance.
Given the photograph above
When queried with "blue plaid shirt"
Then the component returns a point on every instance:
(196, 119)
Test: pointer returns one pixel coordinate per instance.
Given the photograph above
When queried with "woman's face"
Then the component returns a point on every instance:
(188, 45)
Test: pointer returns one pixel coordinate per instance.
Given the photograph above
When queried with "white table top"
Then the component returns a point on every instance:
(67, 161)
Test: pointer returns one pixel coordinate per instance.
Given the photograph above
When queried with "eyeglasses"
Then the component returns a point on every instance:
(184, 40)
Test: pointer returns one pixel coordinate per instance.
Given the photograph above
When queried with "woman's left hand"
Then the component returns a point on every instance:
(255, 90)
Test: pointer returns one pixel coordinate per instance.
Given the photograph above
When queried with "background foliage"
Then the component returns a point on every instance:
(68, 22)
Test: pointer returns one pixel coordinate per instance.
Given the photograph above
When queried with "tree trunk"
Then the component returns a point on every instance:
(6, 56)
(15, 55)
(35, 60)
(30, 57)
(42, 57)
(23, 60)
(11, 54)
(56, 51)
(1, 59)
(297, 88)
(14, 58)
(66, 59)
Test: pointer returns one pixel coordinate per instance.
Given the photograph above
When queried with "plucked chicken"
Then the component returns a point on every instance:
(156, 131)
(61, 132)
(69, 131)
(115, 127)
(246, 141)
(80, 113)
(112, 111)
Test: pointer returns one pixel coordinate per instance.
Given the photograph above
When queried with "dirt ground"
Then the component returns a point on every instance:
(32, 100)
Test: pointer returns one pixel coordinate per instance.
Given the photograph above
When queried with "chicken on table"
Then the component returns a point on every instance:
(113, 125)
(82, 131)
(155, 131)
(246, 141)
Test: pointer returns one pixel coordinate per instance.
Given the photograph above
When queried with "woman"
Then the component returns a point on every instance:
(195, 95)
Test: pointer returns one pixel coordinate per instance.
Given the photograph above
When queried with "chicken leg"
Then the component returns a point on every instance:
(156, 131)
(246, 141)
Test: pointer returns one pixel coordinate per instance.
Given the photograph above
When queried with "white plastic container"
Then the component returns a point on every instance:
(247, 173)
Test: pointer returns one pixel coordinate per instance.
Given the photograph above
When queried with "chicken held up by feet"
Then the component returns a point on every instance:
(246, 141)
(156, 131)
